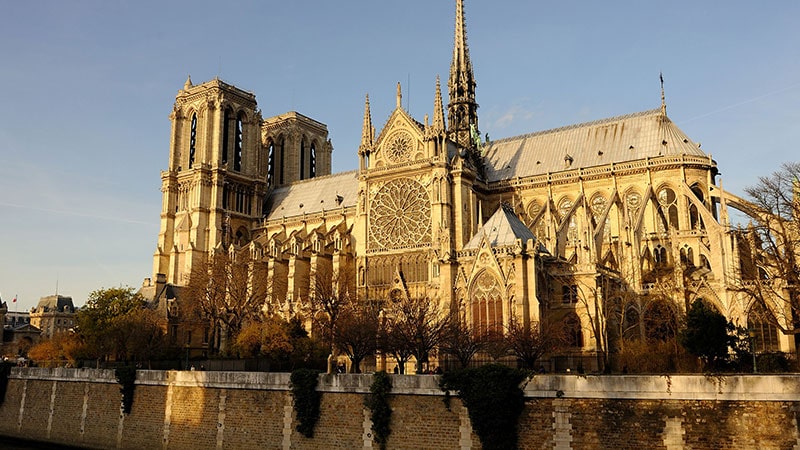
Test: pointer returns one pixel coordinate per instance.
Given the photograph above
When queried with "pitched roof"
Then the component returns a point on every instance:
(502, 229)
(313, 195)
(616, 139)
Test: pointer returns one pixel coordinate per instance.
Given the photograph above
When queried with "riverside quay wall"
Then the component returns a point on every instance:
(240, 410)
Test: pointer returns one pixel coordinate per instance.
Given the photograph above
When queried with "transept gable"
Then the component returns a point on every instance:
(400, 141)
(485, 259)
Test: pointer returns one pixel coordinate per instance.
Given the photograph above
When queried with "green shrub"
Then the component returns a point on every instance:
(306, 399)
(378, 402)
(494, 400)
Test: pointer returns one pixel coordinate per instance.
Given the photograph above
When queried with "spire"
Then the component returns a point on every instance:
(462, 111)
(663, 98)
(461, 61)
(188, 83)
(367, 133)
(438, 109)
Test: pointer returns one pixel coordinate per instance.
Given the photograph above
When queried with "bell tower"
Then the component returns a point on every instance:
(216, 180)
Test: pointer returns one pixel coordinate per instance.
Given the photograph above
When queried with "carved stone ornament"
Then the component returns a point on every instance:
(399, 147)
(400, 214)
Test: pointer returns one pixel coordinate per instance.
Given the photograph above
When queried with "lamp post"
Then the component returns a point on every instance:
(186, 367)
(752, 333)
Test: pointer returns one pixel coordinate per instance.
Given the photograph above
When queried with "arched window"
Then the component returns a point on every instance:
(573, 333)
(313, 166)
(764, 333)
(598, 207)
(633, 203)
(487, 305)
(237, 151)
(660, 256)
(193, 140)
(669, 207)
(270, 163)
(564, 208)
(631, 324)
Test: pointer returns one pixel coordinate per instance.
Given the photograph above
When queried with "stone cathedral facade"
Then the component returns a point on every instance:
(543, 226)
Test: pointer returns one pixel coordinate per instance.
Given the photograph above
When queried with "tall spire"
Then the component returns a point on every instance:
(462, 110)
(438, 109)
(663, 97)
(367, 131)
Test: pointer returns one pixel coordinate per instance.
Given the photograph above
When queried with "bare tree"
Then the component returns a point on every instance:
(331, 294)
(590, 297)
(771, 270)
(226, 291)
(393, 343)
(356, 333)
(461, 341)
(417, 323)
(531, 342)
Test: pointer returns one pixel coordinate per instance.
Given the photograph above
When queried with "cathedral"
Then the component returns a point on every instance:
(551, 226)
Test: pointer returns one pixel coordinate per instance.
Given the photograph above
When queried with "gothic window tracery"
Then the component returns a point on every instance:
(399, 148)
(669, 208)
(400, 215)
(633, 202)
(538, 227)
(486, 305)
(564, 209)
(765, 334)
(598, 207)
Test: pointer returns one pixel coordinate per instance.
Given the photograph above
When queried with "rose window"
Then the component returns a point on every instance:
(399, 148)
(401, 215)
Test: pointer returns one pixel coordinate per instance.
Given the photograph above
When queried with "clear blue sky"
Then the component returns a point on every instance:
(88, 85)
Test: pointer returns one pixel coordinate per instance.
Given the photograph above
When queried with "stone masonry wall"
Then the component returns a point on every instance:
(241, 410)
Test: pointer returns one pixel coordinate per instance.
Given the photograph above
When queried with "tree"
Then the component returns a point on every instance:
(226, 291)
(145, 338)
(357, 332)
(61, 348)
(706, 334)
(771, 268)
(592, 300)
(330, 294)
(531, 342)
(104, 325)
(285, 342)
(393, 344)
(417, 324)
(460, 341)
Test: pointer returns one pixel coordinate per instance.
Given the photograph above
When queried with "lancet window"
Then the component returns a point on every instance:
(193, 140)
(237, 151)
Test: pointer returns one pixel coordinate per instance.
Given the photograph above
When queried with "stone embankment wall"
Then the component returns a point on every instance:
(239, 410)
